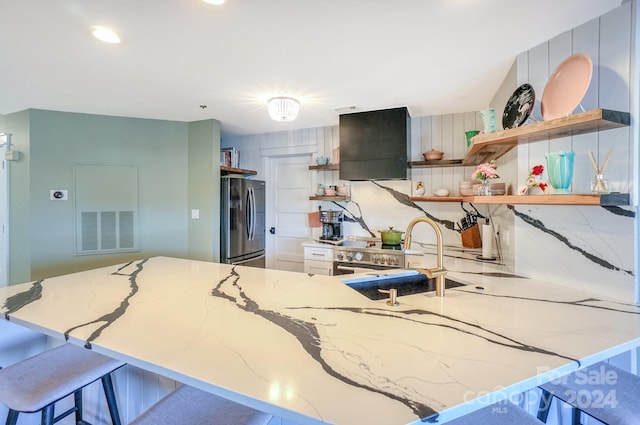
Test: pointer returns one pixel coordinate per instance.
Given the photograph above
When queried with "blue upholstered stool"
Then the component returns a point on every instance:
(601, 391)
(37, 383)
(187, 405)
(503, 413)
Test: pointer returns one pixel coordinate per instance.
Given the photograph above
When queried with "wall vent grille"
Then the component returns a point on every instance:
(106, 209)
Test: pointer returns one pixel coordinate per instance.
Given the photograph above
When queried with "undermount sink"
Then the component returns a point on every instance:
(406, 283)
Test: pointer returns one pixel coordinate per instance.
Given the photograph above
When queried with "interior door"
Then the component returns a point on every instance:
(287, 207)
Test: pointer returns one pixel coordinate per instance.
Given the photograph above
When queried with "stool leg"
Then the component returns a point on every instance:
(544, 406)
(77, 397)
(107, 385)
(12, 417)
(47, 414)
(575, 416)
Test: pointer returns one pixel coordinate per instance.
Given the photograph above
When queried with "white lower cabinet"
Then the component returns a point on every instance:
(318, 267)
(318, 260)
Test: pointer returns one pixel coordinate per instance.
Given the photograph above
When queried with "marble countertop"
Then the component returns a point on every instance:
(312, 350)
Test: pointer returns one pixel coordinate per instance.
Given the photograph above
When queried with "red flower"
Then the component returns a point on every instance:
(537, 170)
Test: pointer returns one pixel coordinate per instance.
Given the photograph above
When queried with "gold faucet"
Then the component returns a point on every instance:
(439, 272)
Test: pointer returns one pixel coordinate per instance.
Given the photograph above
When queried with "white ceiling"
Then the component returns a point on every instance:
(434, 56)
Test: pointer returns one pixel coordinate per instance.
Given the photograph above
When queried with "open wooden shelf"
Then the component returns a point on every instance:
(611, 199)
(440, 198)
(438, 163)
(329, 198)
(224, 170)
(328, 167)
(486, 147)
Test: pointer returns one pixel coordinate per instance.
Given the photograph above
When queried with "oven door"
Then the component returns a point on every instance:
(342, 267)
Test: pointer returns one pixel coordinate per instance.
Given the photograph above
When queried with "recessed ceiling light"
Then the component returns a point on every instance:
(215, 2)
(105, 34)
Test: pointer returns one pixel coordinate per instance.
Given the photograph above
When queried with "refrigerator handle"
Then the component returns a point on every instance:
(249, 213)
(253, 214)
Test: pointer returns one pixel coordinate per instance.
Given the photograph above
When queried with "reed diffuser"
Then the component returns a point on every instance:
(599, 184)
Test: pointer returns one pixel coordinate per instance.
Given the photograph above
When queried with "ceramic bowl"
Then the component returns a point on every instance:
(329, 192)
(322, 160)
(433, 155)
(441, 192)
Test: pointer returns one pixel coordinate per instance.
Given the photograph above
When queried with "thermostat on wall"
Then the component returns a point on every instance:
(58, 195)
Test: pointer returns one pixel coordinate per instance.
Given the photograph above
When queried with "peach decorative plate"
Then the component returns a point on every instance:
(566, 86)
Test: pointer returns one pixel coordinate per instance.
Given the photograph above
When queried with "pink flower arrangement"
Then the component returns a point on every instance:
(485, 171)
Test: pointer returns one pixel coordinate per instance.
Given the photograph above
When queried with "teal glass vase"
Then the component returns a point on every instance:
(560, 170)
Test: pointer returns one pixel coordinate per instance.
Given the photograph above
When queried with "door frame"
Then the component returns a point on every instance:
(5, 140)
(270, 154)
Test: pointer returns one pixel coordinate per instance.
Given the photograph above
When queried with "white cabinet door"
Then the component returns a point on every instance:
(318, 267)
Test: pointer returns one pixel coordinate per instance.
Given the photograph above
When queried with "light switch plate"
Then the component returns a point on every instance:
(195, 214)
(58, 194)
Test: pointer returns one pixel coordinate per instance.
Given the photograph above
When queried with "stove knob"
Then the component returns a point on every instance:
(394, 260)
(349, 256)
(374, 258)
(340, 256)
(358, 256)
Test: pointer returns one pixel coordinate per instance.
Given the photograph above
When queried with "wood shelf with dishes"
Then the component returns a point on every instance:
(610, 199)
(437, 163)
(330, 198)
(224, 170)
(328, 167)
(486, 147)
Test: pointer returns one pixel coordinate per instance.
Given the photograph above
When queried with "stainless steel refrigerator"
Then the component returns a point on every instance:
(242, 237)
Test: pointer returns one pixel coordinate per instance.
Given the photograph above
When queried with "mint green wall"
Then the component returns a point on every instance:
(19, 208)
(204, 189)
(53, 142)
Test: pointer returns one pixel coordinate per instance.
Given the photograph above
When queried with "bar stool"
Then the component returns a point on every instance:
(188, 405)
(37, 383)
(504, 413)
(602, 391)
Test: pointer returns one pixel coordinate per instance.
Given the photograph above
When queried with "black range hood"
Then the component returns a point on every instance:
(374, 144)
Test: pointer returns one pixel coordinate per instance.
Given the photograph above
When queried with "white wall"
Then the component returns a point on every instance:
(584, 247)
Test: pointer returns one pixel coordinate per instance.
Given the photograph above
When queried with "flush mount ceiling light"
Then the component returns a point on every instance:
(215, 2)
(105, 34)
(283, 108)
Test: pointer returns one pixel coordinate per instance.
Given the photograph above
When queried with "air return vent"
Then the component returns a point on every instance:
(106, 209)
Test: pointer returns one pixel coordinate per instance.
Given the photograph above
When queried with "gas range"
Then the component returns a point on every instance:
(369, 253)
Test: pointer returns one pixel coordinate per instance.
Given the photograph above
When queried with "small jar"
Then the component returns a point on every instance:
(599, 185)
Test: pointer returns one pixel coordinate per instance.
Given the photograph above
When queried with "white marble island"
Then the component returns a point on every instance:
(312, 350)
